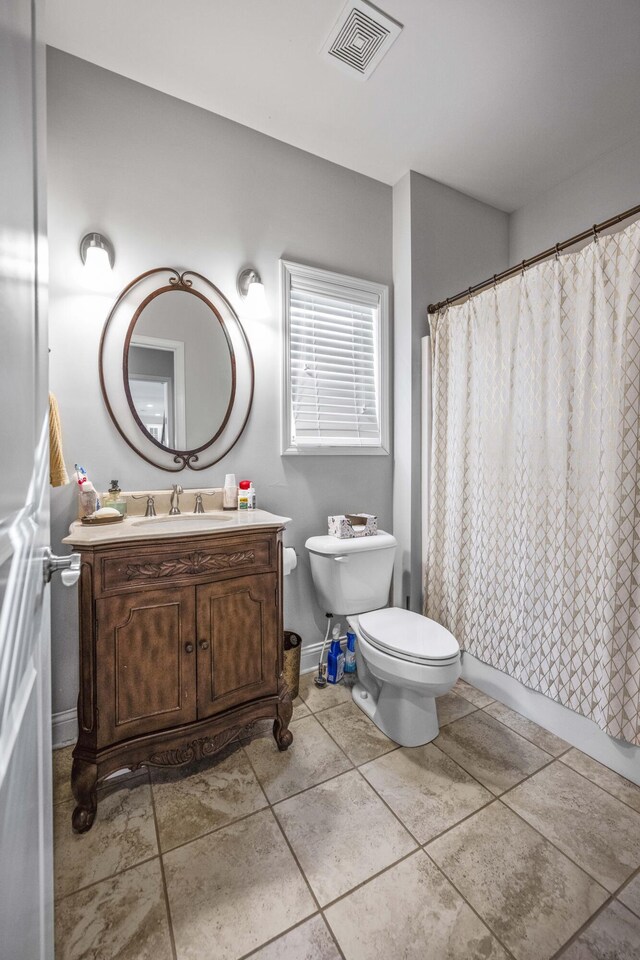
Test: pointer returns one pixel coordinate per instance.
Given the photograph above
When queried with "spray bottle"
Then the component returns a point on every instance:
(335, 660)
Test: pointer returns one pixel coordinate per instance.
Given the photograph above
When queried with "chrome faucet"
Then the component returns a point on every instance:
(199, 508)
(151, 504)
(175, 500)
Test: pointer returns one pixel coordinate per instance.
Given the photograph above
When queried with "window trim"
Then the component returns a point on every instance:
(314, 275)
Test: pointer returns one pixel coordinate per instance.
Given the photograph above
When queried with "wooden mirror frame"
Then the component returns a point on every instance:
(178, 280)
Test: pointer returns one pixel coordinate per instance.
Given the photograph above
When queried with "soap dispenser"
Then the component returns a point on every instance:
(115, 499)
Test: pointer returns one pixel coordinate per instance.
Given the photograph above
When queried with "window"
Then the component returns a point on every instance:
(335, 390)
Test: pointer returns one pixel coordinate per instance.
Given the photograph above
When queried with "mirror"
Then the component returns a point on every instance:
(179, 369)
(176, 370)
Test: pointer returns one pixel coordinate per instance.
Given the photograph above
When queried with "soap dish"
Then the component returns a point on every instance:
(96, 521)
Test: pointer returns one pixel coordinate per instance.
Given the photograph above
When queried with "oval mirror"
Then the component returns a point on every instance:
(176, 370)
(179, 369)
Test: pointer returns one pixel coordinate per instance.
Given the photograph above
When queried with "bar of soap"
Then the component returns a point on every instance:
(107, 512)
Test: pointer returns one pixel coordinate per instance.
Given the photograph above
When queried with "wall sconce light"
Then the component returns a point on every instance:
(251, 289)
(95, 251)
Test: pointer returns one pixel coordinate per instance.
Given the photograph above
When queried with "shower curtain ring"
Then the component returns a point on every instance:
(524, 266)
(495, 280)
(557, 251)
(595, 232)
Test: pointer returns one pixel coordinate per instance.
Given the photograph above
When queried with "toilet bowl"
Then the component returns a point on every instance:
(404, 660)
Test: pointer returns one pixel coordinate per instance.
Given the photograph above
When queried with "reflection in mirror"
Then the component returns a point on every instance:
(180, 369)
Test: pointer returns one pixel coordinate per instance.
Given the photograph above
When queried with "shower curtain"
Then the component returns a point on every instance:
(534, 530)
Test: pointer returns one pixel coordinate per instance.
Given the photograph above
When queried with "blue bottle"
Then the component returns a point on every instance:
(335, 663)
(350, 655)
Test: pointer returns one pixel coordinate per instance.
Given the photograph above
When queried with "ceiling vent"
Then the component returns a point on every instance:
(360, 38)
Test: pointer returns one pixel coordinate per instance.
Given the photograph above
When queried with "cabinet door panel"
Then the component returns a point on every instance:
(148, 663)
(237, 642)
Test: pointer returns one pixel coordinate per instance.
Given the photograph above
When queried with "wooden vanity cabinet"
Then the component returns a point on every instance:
(181, 647)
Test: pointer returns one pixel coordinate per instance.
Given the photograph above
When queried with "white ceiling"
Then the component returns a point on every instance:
(501, 99)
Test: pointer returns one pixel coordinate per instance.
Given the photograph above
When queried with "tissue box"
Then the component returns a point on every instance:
(348, 525)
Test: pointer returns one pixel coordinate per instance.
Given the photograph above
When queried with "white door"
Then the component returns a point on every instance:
(26, 910)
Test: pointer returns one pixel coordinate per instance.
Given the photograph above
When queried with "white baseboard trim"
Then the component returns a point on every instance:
(64, 728)
(577, 730)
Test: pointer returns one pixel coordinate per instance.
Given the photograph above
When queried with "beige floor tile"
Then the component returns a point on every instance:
(608, 779)
(528, 729)
(61, 762)
(496, 756)
(630, 896)
(122, 835)
(311, 758)
(342, 834)
(595, 829)
(201, 797)
(451, 707)
(355, 733)
(425, 789)
(232, 890)
(317, 698)
(411, 912)
(528, 893)
(300, 709)
(613, 935)
(475, 696)
(123, 917)
(310, 941)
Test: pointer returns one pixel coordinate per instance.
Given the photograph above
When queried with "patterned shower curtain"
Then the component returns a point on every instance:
(534, 553)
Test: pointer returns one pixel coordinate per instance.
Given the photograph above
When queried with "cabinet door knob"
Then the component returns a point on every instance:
(188, 647)
(204, 644)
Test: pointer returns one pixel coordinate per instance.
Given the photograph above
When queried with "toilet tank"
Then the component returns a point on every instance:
(352, 575)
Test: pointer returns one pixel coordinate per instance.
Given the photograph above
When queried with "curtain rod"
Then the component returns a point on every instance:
(552, 251)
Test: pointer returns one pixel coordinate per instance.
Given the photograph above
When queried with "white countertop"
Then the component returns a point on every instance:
(184, 525)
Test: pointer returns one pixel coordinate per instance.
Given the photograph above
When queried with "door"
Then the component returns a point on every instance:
(237, 642)
(25, 717)
(147, 675)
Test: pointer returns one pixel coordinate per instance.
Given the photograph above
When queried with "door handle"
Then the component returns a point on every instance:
(204, 644)
(188, 647)
(69, 567)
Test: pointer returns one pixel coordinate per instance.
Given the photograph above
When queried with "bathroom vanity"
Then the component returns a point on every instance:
(181, 641)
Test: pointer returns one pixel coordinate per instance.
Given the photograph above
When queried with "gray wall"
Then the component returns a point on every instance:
(599, 191)
(172, 184)
(444, 241)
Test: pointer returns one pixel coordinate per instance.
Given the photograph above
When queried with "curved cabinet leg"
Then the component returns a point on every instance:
(84, 777)
(281, 732)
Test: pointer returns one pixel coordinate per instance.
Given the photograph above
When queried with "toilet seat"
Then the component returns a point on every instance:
(409, 636)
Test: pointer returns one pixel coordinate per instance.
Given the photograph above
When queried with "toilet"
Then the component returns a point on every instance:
(404, 660)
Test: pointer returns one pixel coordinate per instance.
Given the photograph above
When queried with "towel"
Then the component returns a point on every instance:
(57, 471)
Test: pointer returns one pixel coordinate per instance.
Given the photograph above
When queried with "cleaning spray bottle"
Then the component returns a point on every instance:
(350, 653)
(335, 660)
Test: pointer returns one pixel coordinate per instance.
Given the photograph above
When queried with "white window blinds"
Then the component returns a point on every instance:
(334, 342)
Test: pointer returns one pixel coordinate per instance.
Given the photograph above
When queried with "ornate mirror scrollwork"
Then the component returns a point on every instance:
(176, 370)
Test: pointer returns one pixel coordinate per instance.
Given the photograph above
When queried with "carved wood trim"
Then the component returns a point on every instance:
(192, 565)
(198, 749)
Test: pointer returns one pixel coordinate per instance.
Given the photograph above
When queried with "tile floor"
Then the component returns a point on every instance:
(495, 841)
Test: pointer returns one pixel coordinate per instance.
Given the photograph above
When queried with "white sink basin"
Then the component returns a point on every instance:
(201, 518)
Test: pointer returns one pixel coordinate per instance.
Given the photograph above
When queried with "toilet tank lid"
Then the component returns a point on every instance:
(336, 547)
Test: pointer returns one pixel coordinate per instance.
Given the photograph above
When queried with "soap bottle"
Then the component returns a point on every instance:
(243, 494)
(230, 492)
(335, 660)
(114, 498)
(350, 653)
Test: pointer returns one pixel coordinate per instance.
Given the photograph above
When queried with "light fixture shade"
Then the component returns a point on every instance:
(96, 250)
(251, 289)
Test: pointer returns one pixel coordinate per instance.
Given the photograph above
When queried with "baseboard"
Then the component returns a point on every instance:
(64, 728)
(577, 730)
